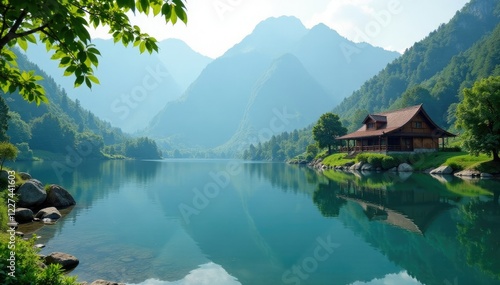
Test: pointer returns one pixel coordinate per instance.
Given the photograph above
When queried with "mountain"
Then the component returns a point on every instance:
(340, 65)
(434, 70)
(134, 87)
(281, 64)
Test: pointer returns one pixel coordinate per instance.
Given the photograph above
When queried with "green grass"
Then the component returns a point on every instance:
(337, 159)
(424, 161)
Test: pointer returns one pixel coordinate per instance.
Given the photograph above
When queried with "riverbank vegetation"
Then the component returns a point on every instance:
(419, 161)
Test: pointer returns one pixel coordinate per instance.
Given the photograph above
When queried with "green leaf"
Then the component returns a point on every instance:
(93, 79)
(181, 13)
(88, 83)
(22, 43)
(142, 47)
(79, 80)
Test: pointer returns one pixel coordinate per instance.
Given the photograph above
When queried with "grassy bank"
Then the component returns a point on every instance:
(422, 161)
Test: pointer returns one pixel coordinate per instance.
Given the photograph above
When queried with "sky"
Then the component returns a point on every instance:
(214, 26)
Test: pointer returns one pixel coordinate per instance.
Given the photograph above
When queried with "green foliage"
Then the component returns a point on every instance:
(4, 118)
(327, 129)
(8, 151)
(281, 147)
(378, 160)
(389, 162)
(337, 159)
(62, 26)
(51, 134)
(479, 116)
(28, 270)
(19, 131)
(143, 148)
(449, 59)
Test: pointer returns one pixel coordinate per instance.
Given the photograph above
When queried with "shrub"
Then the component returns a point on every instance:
(28, 269)
(389, 162)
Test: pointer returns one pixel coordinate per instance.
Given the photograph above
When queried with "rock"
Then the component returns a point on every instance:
(104, 282)
(367, 167)
(405, 167)
(486, 175)
(4, 175)
(25, 176)
(394, 169)
(59, 197)
(48, 213)
(356, 166)
(23, 215)
(31, 193)
(468, 173)
(67, 261)
(442, 170)
(39, 245)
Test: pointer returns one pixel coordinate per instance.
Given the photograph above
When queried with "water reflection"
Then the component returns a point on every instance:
(264, 224)
(438, 230)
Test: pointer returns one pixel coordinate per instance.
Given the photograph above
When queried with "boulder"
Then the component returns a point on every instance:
(23, 215)
(468, 173)
(367, 167)
(59, 197)
(442, 170)
(67, 261)
(356, 166)
(104, 282)
(486, 175)
(4, 175)
(25, 176)
(48, 213)
(405, 167)
(31, 193)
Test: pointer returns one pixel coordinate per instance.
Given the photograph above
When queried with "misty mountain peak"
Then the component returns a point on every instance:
(273, 36)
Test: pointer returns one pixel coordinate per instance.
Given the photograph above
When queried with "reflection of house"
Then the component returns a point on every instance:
(408, 129)
(410, 210)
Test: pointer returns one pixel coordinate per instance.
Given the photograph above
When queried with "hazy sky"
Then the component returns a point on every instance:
(214, 26)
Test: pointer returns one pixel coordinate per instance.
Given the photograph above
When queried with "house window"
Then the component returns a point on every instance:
(371, 125)
(417, 125)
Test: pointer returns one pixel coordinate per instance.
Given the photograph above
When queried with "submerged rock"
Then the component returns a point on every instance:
(104, 282)
(48, 213)
(405, 167)
(67, 261)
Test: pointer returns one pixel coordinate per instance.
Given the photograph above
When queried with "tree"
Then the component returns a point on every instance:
(478, 114)
(4, 120)
(62, 26)
(7, 152)
(327, 129)
(19, 131)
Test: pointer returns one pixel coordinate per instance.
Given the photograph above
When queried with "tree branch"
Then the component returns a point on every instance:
(12, 32)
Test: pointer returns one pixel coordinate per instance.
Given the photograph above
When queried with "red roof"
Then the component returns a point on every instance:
(394, 120)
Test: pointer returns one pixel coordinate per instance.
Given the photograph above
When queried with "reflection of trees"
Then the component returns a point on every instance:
(479, 234)
(286, 177)
(325, 198)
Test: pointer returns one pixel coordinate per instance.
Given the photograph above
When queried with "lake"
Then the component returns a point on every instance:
(236, 222)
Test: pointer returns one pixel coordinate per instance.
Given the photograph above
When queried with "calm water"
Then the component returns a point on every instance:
(232, 222)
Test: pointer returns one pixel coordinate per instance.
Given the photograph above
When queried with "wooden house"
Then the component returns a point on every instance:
(404, 130)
